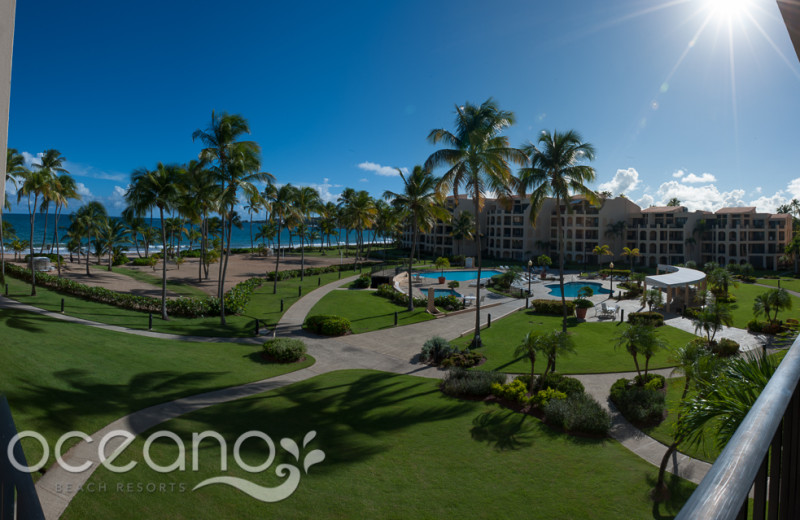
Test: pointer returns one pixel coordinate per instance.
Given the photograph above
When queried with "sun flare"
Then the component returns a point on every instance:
(728, 8)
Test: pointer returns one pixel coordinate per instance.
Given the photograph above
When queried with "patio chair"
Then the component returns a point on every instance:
(607, 311)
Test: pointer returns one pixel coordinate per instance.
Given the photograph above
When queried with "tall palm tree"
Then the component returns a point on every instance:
(477, 158)
(329, 217)
(15, 164)
(555, 171)
(361, 213)
(34, 184)
(63, 190)
(236, 164)
(602, 250)
(134, 227)
(51, 162)
(306, 201)
(387, 222)
(463, 227)
(344, 202)
(86, 223)
(285, 213)
(156, 188)
(631, 254)
(255, 203)
(113, 233)
(201, 192)
(421, 205)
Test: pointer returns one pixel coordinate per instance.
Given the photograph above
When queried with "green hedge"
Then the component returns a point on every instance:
(311, 271)
(327, 325)
(52, 256)
(654, 319)
(235, 300)
(617, 272)
(285, 350)
(552, 307)
(641, 405)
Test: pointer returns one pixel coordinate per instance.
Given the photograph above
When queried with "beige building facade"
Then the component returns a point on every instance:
(663, 235)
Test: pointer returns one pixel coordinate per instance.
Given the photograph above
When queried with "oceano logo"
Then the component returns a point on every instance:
(265, 494)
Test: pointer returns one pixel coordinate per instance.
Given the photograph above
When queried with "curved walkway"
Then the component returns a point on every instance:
(389, 350)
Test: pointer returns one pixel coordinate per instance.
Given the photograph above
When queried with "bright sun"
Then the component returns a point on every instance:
(728, 8)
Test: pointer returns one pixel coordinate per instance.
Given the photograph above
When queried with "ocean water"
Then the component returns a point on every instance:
(239, 237)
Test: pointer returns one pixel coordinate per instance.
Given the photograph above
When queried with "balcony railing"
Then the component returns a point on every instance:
(763, 456)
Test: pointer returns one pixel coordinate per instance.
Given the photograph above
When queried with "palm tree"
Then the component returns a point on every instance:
(551, 345)
(306, 201)
(603, 250)
(236, 167)
(674, 202)
(329, 216)
(636, 338)
(532, 345)
(711, 319)
(134, 227)
(255, 203)
(201, 191)
(361, 214)
(420, 206)
(85, 223)
(155, 188)
(477, 158)
(114, 233)
(721, 279)
(555, 171)
(64, 188)
(774, 300)
(344, 201)
(34, 184)
(387, 222)
(51, 162)
(15, 164)
(463, 227)
(285, 213)
(631, 253)
(793, 250)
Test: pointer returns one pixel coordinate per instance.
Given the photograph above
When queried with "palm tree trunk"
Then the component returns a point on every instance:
(476, 342)
(110, 255)
(33, 215)
(88, 246)
(163, 268)
(277, 261)
(2, 251)
(44, 234)
(302, 258)
(411, 263)
(225, 271)
(55, 240)
(560, 232)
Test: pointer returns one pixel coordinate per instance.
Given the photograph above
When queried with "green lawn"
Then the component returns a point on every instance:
(395, 447)
(788, 283)
(180, 288)
(745, 296)
(594, 345)
(60, 376)
(366, 310)
(263, 305)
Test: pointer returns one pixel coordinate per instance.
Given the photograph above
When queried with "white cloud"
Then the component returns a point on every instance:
(699, 197)
(324, 190)
(769, 204)
(385, 171)
(84, 192)
(116, 200)
(646, 201)
(678, 174)
(704, 178)
(363, 179)
(623, 181)
(794, 188)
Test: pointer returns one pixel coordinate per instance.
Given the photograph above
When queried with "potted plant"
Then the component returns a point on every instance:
(442, 263)
(545, 262)
(582, 303)
(453, 284)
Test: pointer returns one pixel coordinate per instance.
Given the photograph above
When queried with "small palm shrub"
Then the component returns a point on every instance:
(363, 281)
(436, 350)
(461, 382)
(725, 347)
(284, 350)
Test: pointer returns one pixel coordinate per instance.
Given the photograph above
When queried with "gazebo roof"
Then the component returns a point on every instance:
(675, 277)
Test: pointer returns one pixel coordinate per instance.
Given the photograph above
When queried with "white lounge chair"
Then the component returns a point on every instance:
(608, 311)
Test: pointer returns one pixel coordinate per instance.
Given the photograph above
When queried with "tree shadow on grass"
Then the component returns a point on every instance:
(20, 320)
(503, 429)
(679, 492)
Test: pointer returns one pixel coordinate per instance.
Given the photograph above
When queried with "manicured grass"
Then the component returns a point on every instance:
(594, 345)
(61, 376)
(745, 296)
(790, 284)
(263, 305)
(177, 287)
(395, 447)
(366, 310)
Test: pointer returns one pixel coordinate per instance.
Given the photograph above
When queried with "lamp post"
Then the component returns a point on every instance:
(611, 266)
(530, 264)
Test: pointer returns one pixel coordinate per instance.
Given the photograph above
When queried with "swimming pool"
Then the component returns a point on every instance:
(571, 288)
(446, 292)
(462, 276)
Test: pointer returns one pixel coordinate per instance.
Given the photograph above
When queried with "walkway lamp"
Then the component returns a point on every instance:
(611, 266)
(530, 264)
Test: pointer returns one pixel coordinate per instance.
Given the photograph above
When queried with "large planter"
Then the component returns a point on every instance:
(580, 312)
(543, 276)
(442, 279)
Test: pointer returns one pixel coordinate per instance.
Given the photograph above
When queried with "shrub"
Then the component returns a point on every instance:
(141, 262)
(725, 347)
(435, 350)
(363, 281)
(660, 381)
(654, 319)
(640, 405)
(458, 260)
(453, 284)
(327, 325)
(617, 272)
(578, 413)
(285, 350)
(385, 290)
(582, 303)
(465, 359)
(762, 327)
(543, 397)
(568, 385)
(552, 307)
(120, 259)
(515, 391)
(459, 381)
(51, 256)
(449, 303)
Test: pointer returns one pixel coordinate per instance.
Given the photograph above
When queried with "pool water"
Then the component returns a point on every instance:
(571, 288)
(462, 276)
(445, 292)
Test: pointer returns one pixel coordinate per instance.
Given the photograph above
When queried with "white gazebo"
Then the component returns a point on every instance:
(673, 279)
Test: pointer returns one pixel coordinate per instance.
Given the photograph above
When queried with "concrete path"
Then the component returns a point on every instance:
(389, 350)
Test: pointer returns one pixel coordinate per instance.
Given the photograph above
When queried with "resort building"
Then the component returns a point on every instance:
(662, 234)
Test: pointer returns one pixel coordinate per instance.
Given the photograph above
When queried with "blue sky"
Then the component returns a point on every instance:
(680, 98)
